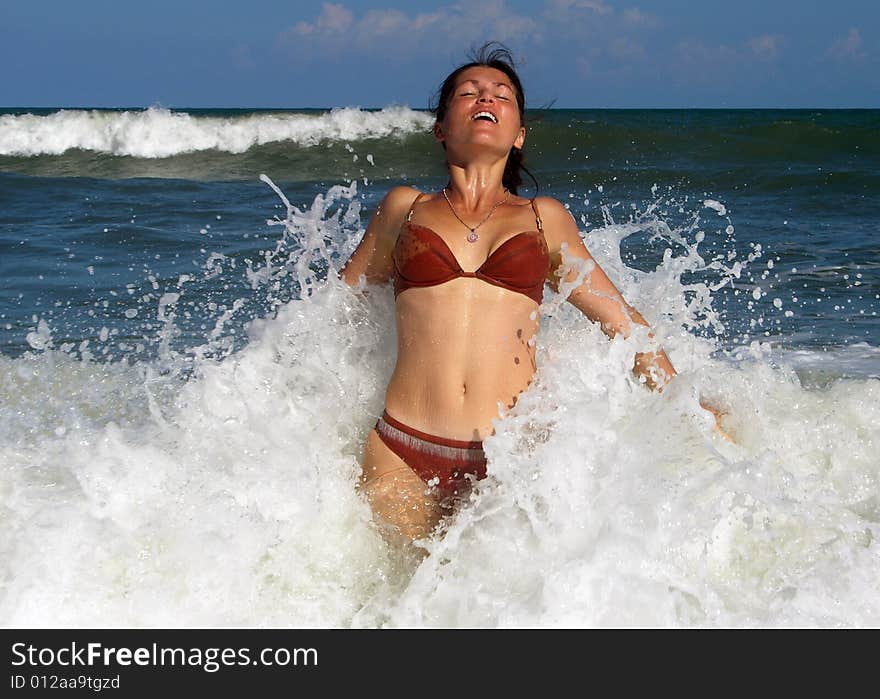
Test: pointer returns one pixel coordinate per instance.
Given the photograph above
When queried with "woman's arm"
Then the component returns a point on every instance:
(596, 296)
(372, 257)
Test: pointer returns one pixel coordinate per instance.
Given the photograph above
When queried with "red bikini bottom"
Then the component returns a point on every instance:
(439, 462)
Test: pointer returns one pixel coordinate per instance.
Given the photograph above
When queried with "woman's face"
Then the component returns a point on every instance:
(479, 92)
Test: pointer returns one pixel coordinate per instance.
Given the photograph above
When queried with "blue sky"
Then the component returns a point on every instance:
(580, 53)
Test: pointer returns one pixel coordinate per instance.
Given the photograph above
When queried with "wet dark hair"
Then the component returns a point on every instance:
(491, 55)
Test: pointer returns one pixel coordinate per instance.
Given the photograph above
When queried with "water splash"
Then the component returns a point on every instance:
(214, 485)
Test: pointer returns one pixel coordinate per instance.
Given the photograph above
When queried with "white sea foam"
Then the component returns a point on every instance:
(716, 205)
(859, 360)
(135, 496)
(161, 133)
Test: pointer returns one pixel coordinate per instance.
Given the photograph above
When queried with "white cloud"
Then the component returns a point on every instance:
(424, 21)
(635, 16)
(719, 64)
(623, 48)
(849, 46)
(380, 24)
(708, 57)
(338, 30)
(565, 8)
(390, 29)
(766, 45)
(707, 63)
(599, 7)
(334, 19)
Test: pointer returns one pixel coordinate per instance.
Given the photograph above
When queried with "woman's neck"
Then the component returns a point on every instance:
(476, 186)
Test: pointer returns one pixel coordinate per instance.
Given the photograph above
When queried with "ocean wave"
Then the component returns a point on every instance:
(160, 133)
(858, 360)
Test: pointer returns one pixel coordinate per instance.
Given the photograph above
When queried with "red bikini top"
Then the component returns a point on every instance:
(422, 258)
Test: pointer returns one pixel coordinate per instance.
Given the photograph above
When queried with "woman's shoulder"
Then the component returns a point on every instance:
(400, 197)
(557, 221)
(552, 210)
(553, 207)
(392, 211)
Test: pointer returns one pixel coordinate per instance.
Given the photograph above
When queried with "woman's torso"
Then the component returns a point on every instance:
(466, 344)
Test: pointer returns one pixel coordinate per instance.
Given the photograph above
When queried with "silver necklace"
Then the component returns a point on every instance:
(472, 236)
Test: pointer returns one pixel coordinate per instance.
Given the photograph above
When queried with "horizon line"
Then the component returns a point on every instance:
(158, 105)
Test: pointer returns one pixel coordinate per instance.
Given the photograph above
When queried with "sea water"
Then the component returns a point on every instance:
(185, 385)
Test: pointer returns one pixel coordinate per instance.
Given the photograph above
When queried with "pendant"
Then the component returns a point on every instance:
(473, 237)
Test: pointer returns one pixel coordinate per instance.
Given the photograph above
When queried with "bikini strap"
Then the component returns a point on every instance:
(537, 215)
(411, 206)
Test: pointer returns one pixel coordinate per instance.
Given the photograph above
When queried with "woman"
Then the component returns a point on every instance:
(469, 265)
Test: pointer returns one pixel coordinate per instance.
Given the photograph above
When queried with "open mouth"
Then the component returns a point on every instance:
(488, 116)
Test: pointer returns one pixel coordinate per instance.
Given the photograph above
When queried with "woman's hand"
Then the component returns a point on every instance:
(717, 413)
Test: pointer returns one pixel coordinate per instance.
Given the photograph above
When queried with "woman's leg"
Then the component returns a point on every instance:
(401, 501)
